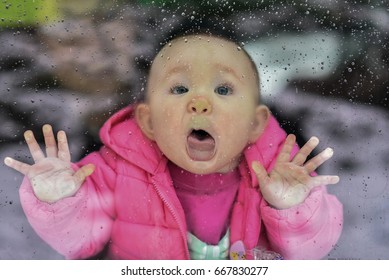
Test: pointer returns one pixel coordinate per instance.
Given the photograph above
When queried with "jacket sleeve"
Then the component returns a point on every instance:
(306, 231)
(77, 227)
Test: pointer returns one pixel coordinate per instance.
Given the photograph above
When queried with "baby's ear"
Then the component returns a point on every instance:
(262, 115)
(143, 117)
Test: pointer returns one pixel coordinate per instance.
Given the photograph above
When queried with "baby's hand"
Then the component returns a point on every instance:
(290, 182)
(52, 176)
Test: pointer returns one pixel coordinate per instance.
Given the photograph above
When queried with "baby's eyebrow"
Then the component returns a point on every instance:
(178, 69)
(227, 69)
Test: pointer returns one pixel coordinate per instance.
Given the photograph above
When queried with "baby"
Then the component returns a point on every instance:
(198, 170)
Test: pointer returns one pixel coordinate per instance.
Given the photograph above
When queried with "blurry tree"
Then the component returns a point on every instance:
(26, 13)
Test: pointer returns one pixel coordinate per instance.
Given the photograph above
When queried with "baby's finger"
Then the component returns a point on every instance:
(284, 155)
(305, 151)
(51, 145)
(83, 172)
(63, 146)
(33, 146)
(17, 165)
(318, 160)
(261, 173)
(323, 180)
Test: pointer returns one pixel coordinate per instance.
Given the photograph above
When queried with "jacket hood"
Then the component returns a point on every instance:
(122, 134)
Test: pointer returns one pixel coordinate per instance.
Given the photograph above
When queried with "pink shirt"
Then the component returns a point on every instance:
(207, 201)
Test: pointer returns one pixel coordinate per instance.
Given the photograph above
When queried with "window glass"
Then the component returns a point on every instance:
(324, 71)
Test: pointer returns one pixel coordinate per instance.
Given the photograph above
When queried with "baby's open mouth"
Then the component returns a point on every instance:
(200, 134)
(200, 145)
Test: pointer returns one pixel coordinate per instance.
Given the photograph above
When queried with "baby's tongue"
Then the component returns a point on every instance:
(200, 149)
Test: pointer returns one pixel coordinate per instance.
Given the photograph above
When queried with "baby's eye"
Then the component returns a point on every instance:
(223, 90)
(179, 90)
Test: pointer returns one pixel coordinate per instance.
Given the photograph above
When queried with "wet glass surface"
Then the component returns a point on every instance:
(324, 69)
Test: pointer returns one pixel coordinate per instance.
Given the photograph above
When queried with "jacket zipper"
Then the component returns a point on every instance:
(174, 214)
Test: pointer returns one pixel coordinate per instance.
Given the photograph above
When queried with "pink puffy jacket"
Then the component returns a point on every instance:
(129, 207)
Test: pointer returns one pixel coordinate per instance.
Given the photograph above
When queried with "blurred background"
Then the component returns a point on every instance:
(324, 71)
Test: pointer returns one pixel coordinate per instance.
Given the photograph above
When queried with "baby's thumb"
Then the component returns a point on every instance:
(83, 172)
(261, 173)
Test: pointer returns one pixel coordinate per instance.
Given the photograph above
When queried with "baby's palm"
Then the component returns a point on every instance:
(290, 181)
(52, 177)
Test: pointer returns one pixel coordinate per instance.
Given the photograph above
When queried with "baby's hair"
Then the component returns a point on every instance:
(203, 28)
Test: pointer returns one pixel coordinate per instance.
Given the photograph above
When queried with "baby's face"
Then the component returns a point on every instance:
(202, 104)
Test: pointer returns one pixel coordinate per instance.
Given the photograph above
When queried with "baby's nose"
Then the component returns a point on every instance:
(200, 105)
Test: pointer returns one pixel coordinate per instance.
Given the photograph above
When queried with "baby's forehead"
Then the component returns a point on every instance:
(201, 47)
